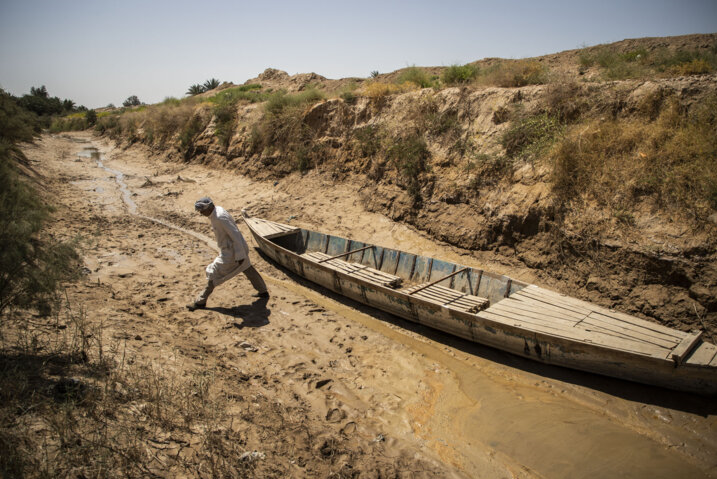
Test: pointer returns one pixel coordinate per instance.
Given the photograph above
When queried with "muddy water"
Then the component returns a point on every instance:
(484, 412)
(475, 411)
(93, 153)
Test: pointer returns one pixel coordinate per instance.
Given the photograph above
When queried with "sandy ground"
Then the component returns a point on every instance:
(396, 397)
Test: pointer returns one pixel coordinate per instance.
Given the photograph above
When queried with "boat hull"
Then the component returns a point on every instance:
(699, 376)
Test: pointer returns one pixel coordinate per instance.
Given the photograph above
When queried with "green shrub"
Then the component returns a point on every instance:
(283, 128)
(108, 125)
(640, 63)
(367, 140)
(131, 101)
(514, 73)
(91, 117)
(16, 124)
(171, 101)
(249, 87)
(32, 267)
(409, 156)
(64, 123)
(225, 114)
(189, 132)
(457, 74)
(280, 100)
(416, 76)
(528, 137)
(348, 97)
(246, 93)
(68, 123)
(348, 93)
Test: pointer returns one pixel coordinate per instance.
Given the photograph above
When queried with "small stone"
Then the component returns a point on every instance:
(252, 456)
(248, 347)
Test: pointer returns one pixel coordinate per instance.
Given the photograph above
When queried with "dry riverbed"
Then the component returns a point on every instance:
(308, 384)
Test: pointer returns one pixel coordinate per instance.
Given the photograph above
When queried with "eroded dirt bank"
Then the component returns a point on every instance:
(323, 386)
(439, 161)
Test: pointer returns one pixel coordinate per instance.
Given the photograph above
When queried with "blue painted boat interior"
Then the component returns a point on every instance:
(412, 268)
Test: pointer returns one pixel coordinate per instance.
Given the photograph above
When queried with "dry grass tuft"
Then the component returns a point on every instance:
(513, 73)
(376, 90)
(74, 405)
(671, 161)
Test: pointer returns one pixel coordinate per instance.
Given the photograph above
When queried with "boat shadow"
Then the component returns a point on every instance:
(254, 315)
(628, 390)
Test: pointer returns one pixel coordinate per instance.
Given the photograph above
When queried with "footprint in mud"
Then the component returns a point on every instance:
(335, 415)
(349, 429)
(321, 383)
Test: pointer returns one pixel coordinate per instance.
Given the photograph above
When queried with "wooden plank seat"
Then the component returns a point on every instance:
(558, 315)
(270, 229)
(450, 298)
(356, 270)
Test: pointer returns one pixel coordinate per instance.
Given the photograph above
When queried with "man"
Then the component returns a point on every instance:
(233, 258)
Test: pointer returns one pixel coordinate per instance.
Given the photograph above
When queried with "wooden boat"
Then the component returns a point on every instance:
(495, 310)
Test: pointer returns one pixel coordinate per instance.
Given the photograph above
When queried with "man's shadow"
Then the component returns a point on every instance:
(254, 315)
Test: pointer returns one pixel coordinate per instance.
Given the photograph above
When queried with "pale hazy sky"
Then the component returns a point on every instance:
(98, 52)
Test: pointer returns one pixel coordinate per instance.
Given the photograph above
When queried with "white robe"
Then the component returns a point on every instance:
(234, 252)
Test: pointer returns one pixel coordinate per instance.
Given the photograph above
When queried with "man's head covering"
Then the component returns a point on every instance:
(204, 204)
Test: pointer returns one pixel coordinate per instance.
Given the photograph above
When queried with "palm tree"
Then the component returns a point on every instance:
(195, 89)
(211, 84)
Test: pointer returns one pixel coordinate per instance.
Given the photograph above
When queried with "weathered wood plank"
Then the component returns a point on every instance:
(579, 306)
(702, 355)
(538, 296)
(356, 270)
(270, 229)
(547, 310)
(467, 308)
(447, 297)
(519, 321)
(597, 320)
(685, 347)
(575, 334)
(435, 292)
(531, 302)
(634, 322)
(537, 313)
(589, 324)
